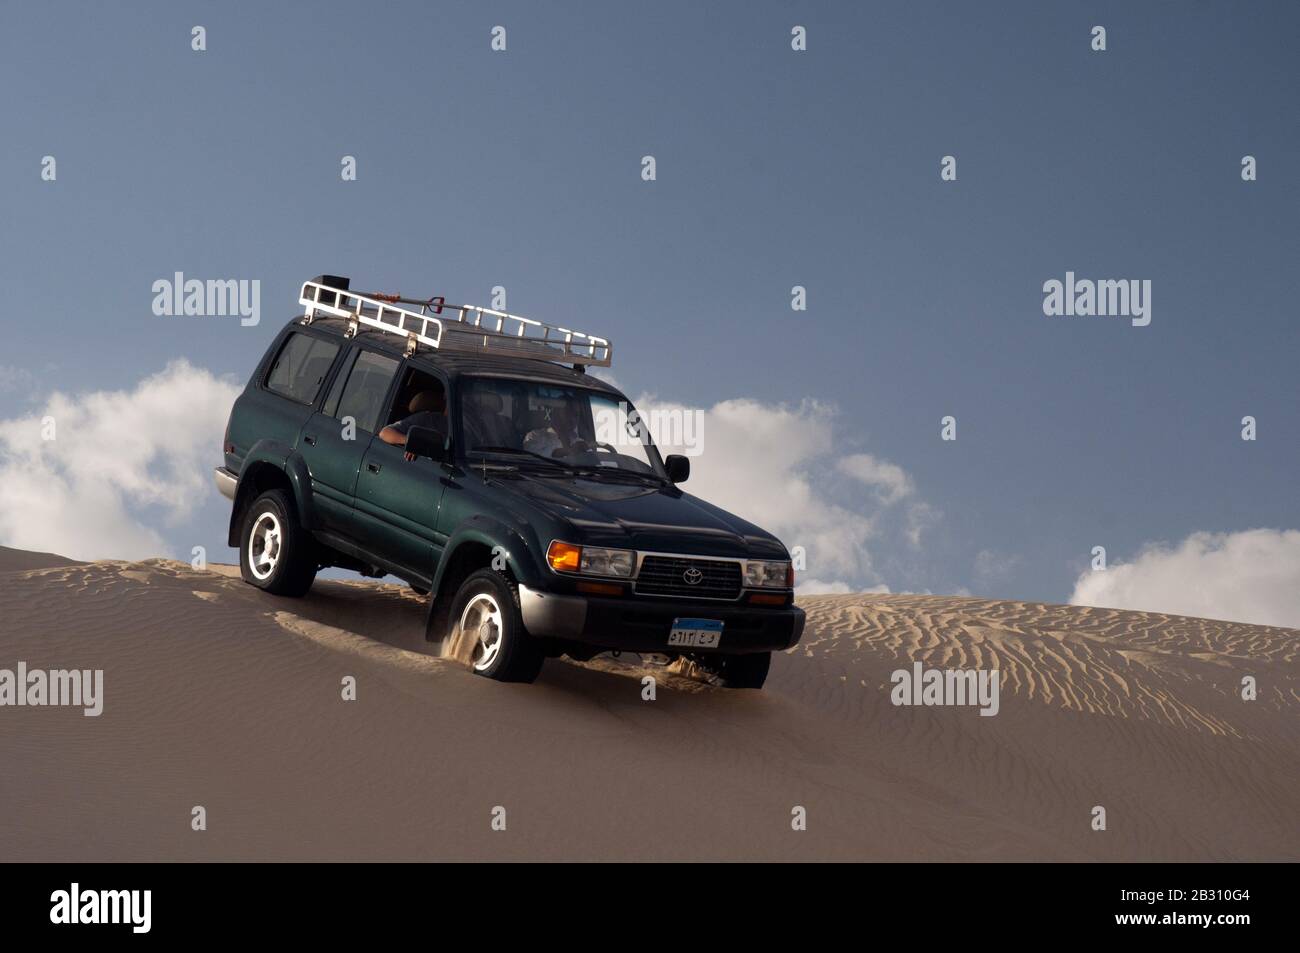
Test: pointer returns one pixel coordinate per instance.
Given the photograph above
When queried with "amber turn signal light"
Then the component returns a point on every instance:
(564, 557)
(600, 588)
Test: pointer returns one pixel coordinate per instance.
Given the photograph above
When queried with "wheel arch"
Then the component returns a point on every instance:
(472, 546)
(271, 465)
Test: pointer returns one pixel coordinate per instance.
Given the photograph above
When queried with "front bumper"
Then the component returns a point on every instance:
(226, 482)
(640, 625)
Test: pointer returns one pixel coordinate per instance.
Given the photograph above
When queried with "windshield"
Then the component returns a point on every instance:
(572, 426)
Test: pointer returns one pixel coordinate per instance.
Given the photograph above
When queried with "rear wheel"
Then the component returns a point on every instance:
(486, 612)
(738, 671)
(276, 554)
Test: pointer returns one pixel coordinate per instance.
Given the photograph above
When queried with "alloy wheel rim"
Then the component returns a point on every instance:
(483, 622)
(265, 544)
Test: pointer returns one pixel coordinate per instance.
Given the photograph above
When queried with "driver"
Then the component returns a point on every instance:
(561, 433)
(426, 409)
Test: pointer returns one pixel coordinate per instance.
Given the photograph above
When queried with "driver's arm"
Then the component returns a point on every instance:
(391, 434)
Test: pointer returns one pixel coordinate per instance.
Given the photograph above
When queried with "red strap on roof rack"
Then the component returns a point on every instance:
(436, 302)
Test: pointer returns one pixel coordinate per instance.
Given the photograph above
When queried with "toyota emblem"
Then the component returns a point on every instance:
(692, 576)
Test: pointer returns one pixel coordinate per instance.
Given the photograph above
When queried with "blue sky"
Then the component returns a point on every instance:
(774, 168)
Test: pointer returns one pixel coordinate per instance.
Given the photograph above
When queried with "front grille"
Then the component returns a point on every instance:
(665, 576)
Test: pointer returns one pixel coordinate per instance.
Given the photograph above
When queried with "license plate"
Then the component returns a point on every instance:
(696, 633)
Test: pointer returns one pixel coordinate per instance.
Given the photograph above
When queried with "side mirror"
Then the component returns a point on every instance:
(427, 442)
(678, 467)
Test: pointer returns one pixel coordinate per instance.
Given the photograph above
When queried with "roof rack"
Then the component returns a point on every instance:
(451, 327)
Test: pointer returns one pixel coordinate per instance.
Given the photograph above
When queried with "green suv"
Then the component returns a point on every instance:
(467, 452)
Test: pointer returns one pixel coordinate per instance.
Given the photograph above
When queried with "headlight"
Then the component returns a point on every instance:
(761, 574)
(607, 562)
(590, 560)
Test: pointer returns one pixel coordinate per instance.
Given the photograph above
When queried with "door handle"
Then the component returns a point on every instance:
(373, 467)
(309, 440)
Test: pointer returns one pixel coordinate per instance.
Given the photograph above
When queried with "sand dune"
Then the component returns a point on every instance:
(19, 560)
(220, 696)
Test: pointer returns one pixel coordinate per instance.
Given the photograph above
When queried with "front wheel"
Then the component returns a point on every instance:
(485, 614)
(275, 553)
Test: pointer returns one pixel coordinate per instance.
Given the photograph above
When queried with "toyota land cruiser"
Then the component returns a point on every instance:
(467, 452)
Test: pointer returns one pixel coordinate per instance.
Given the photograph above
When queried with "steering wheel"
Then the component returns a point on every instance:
(578, 446)
(581, 446)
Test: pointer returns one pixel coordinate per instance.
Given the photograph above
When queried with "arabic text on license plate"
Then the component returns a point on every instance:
(696, 633)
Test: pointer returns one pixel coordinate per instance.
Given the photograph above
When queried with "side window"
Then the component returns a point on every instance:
(336, 389)
(367, 386)
(419, 392)
(301, 366)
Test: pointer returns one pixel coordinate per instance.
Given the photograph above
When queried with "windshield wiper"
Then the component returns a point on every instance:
(521, 452)
(619, 471)
(574, 468)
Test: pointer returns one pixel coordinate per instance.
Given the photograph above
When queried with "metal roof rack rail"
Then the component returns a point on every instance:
(451, 327)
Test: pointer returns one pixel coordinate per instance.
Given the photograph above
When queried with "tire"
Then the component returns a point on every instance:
(503, 649)
(275, 553)
(739, 671)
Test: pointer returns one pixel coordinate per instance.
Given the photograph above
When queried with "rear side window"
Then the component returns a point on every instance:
(301, 366)
(367, 386)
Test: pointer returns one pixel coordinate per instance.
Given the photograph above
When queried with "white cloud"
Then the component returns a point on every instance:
(920, 517)
(1251, 576)
(779, 466)
(891, 485)
(119, 460)
(887, 479)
